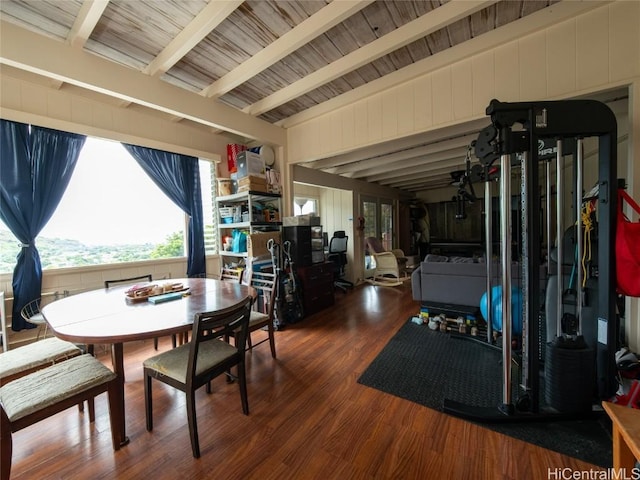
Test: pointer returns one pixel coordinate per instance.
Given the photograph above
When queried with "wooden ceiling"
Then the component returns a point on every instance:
(276, 60)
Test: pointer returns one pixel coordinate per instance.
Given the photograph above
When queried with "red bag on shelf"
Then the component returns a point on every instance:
(627, 249)
(232, 152)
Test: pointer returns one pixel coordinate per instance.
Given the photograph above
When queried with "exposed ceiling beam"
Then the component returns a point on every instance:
(390, 161)
(25, 50)
(417, 170)
(431, 183)
(561, 11)
(86, 21)
(454, 156)
(422, 139)
(420, 27)
(209, 18)
(323, 20)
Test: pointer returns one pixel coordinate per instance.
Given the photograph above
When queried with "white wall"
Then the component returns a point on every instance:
(28, 99)
(595, 51)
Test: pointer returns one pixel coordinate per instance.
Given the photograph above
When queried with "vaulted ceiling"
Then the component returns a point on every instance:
(271, 61)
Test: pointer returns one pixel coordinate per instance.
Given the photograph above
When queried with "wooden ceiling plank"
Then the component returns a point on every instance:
(429, 23)
(536, 21)
(329, 16)
(38, 54)
(86, 21)
(483, 21)
(507, 12)
(460, 31)
(203, 24)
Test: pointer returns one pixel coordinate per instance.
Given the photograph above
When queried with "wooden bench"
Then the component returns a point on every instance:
(34, 397)
(626, 435)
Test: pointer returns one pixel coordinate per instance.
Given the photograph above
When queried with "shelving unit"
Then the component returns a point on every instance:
(250, 215)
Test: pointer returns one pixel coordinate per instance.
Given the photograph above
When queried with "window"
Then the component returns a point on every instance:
(112, 212)
(304, 206)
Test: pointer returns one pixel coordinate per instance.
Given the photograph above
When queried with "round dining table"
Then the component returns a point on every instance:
(109, 316)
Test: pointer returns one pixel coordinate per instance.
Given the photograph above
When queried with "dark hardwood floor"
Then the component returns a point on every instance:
(309, 418)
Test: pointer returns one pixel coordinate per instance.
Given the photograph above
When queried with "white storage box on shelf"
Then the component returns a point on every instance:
(301, 220)
(249, 163)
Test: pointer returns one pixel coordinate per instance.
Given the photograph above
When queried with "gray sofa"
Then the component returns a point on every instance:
(454, 280)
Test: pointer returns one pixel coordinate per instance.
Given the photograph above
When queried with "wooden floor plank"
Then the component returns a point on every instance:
(309, 418)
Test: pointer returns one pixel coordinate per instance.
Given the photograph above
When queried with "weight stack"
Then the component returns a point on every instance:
(569, 375)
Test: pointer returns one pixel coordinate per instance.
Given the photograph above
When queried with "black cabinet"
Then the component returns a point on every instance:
(317, 287)
(300, 238)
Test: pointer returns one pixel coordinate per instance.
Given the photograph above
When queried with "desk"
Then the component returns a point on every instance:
(105, 316)
(626, 435)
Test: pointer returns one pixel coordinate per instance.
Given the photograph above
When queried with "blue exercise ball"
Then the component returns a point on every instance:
(496, 309)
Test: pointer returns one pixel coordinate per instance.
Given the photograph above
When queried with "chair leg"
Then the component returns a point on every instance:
(148, 404)
(193, 426)
(272, 339)
(155, 343)
(92, 409)
(243, 388)
(6, 446)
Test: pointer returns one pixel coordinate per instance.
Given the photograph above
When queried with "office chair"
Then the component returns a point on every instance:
(338, 255)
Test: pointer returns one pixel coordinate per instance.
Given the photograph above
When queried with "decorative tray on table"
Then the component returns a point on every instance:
(143, 293)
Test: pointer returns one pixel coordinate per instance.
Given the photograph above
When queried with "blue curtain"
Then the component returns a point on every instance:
(178, 176)
(35, 168)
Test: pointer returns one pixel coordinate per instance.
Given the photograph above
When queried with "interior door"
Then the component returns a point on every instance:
(378, 217)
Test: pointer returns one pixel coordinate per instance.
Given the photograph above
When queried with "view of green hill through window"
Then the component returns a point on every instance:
(62, 253)
(111, 212)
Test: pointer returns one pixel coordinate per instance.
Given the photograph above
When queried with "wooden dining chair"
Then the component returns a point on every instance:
(24, 402)
(262, 312)
(131, 281)
(231, 274)
(28, 358)
(194, 364)
(24, 360)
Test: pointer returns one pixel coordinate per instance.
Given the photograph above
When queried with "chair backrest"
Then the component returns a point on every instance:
(265, 284)
(338, 243)
(125, 281)
(3, 324)
(229, 274)
(219, 326)
(374, 245)
(31, 309)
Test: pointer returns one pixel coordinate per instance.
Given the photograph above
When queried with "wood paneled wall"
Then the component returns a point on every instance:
(595, 51)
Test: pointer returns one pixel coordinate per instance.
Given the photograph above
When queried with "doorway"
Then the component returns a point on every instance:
(379, 221)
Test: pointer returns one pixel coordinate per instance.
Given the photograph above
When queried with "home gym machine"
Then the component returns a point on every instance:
(516, 131)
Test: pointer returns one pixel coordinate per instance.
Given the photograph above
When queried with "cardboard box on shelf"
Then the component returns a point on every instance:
(225, 186)
(253, 183)
(257, 243)
(249, 163)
